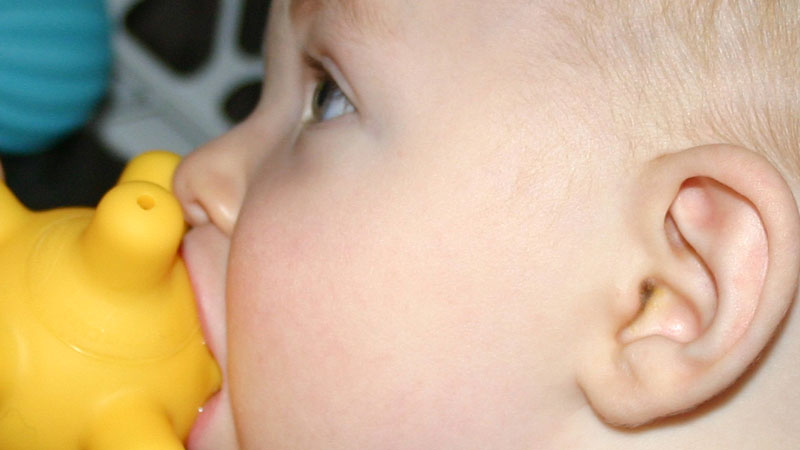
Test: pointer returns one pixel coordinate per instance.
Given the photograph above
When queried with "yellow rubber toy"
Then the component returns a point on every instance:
(100, 344)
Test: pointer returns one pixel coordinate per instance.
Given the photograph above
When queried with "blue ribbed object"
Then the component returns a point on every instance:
(55, 61)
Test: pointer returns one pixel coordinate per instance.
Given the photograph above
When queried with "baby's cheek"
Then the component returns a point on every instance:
(356, 322)
(318, 364)
(311, 360)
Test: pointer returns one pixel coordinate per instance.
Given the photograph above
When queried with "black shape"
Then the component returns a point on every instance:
(242, 101)
(76, 171)
(254, 19)
(178, 32)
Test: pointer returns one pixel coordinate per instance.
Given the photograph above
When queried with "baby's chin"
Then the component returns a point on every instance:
(205, 251)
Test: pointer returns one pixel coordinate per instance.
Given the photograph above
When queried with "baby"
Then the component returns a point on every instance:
(461, 224)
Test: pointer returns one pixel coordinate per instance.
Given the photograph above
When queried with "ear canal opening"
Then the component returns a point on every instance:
(663, 312)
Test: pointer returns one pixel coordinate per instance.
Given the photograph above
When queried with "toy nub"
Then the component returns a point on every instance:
(100, 344)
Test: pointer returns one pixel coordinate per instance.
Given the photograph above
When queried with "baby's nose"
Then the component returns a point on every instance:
(210, 185)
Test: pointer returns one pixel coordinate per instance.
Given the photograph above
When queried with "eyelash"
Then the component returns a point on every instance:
(327, 91)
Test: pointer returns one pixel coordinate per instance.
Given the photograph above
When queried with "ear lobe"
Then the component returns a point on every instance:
(721, 231)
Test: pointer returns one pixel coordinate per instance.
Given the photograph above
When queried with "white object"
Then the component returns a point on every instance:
(152, 106)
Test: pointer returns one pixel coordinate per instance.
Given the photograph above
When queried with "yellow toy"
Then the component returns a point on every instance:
(100, 345)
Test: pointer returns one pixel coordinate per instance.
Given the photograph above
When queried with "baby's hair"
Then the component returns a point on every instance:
(721, 69)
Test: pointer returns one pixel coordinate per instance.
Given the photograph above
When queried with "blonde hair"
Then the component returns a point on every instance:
(730, 68)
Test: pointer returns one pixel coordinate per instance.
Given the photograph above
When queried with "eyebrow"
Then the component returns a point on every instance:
(359, 15)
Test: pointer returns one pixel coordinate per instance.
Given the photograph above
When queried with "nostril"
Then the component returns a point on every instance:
(195, 214)
(183, 188)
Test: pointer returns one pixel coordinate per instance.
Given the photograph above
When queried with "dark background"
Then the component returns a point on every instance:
(74, 172)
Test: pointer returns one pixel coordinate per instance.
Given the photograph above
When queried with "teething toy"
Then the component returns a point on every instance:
(100, 344)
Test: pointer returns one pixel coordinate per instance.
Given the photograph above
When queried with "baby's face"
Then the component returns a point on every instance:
(405, 257)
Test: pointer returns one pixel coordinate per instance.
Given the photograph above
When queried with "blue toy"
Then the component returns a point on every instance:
(55, 61)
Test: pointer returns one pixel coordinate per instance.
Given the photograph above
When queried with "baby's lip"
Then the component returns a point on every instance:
(205, 252)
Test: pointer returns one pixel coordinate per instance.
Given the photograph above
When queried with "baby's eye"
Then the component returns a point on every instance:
(329, 101)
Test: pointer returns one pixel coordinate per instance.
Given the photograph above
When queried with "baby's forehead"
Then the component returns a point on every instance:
(368, 17)
(390, 18)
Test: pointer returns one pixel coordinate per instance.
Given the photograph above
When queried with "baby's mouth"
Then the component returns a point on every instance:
(205, 252)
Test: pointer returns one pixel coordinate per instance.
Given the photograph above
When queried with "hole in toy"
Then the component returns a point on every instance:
(146, 202)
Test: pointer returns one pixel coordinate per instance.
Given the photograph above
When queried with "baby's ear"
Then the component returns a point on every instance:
(719, 230)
